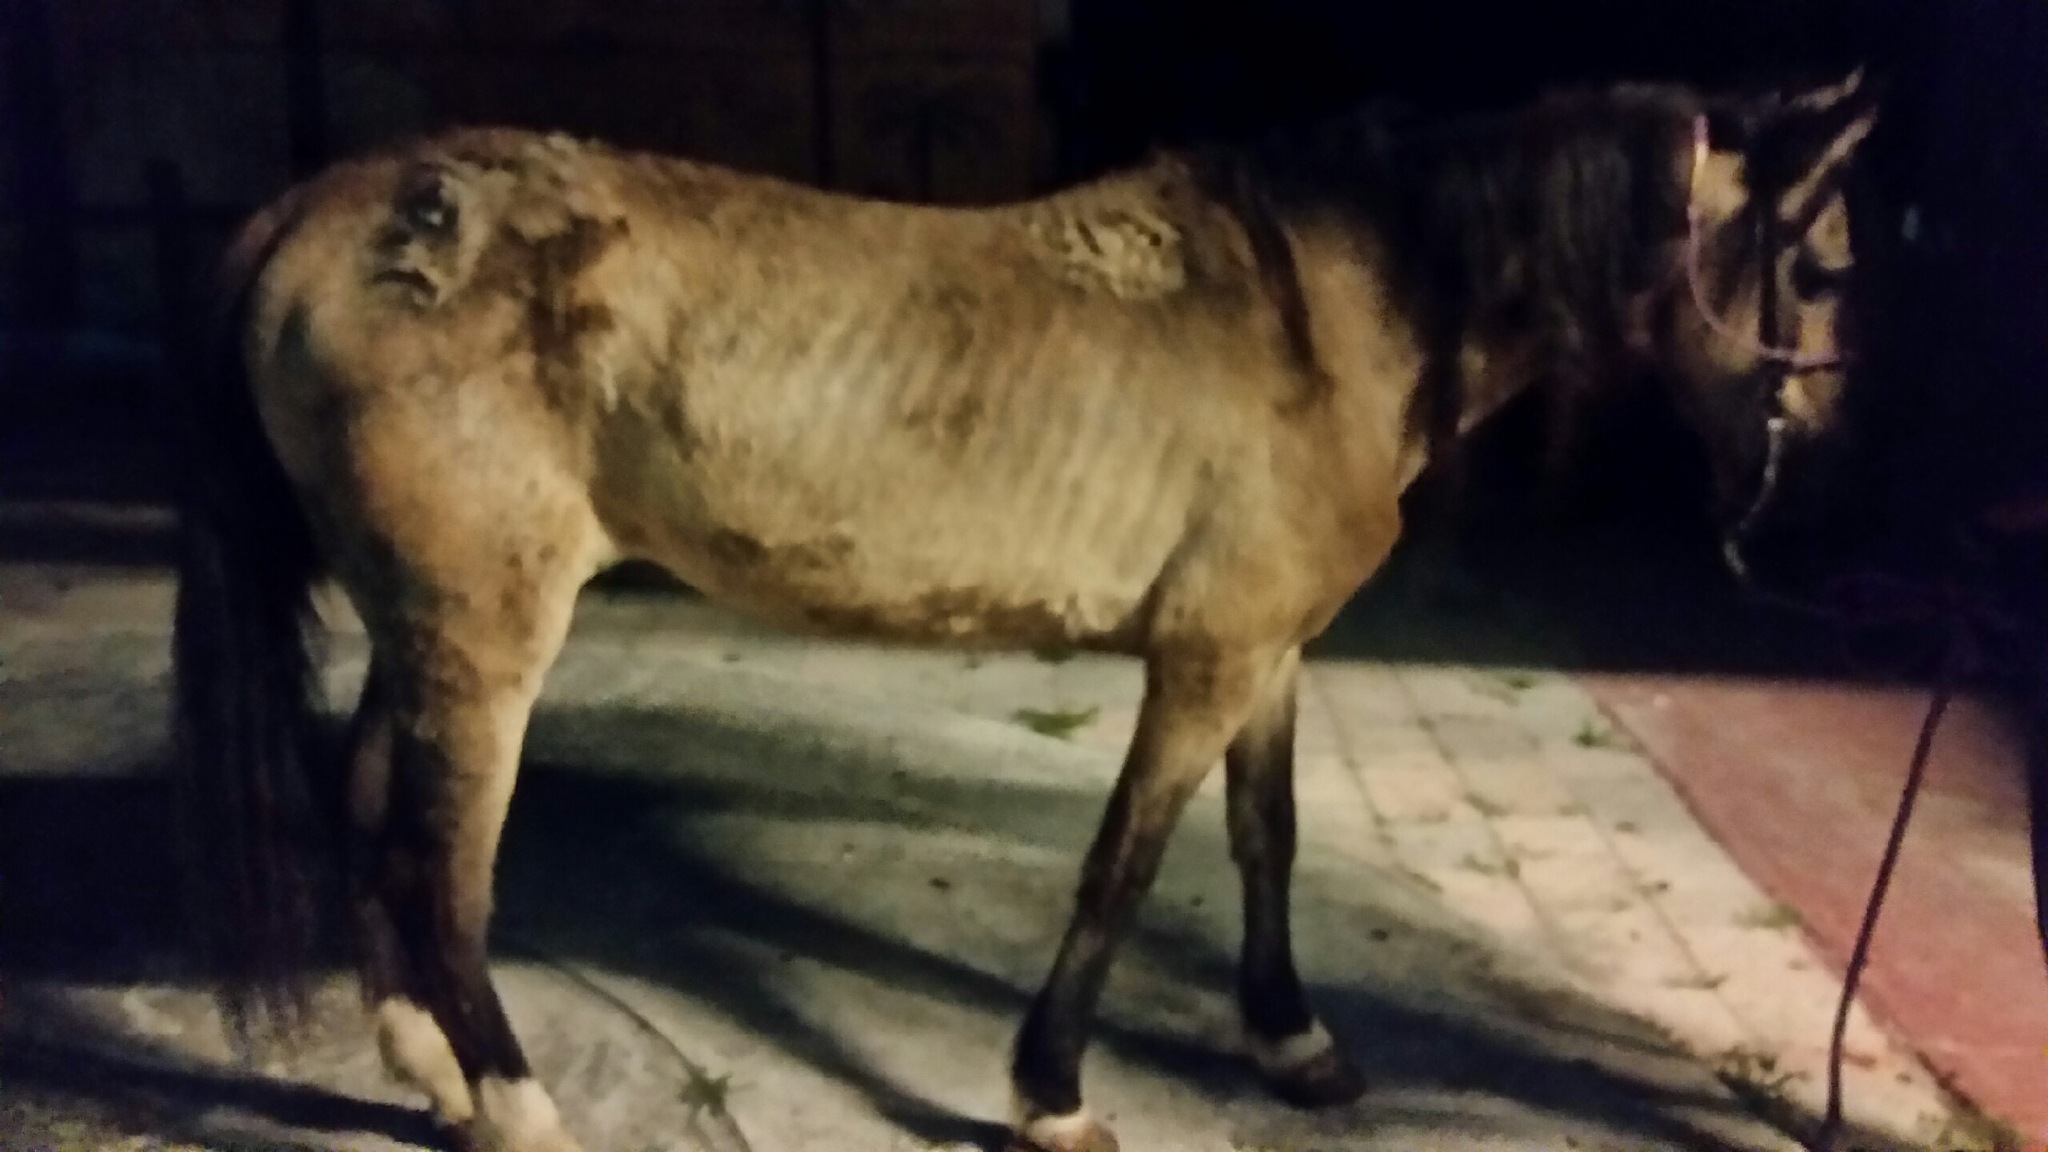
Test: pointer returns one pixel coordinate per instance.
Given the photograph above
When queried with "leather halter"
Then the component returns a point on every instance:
(1764, 345)
(1787, 363)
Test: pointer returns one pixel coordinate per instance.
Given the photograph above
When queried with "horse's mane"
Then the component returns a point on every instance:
(1544, 219)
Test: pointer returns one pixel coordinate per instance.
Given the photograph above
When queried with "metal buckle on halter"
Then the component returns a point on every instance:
(1733, 538)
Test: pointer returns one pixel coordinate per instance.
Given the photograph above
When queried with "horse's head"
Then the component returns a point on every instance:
(1759, 323)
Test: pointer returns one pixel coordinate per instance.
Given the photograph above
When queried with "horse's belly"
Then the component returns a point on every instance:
(943, 574)
(964, 613)
(937, 589)
(942, 560)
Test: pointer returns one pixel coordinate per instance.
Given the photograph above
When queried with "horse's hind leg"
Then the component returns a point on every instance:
(457, 680)
(1292, 1049)
(414, 1048)
(1195, 703)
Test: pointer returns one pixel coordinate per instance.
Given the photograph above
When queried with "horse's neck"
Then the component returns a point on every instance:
(1378, 359)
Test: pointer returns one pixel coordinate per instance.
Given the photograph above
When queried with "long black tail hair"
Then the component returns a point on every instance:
(256, 820)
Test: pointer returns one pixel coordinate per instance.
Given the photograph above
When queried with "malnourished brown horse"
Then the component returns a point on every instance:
(1168, 413)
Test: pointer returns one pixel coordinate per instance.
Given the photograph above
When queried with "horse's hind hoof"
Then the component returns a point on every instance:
(1325, 1081)
(1310, 1070)
(449, 1136)
(1074, 1132)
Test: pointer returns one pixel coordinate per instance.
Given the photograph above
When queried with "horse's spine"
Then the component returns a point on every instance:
(256, 820)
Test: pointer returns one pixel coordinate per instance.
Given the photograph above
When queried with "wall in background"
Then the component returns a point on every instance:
(919, 99)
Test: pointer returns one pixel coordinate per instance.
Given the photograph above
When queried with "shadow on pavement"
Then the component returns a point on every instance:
(628, 852)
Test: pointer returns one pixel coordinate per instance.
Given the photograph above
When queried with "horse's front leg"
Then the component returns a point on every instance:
(1291, 1047)
(1196, 700)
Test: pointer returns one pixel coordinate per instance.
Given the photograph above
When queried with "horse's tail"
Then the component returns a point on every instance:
(254, 813)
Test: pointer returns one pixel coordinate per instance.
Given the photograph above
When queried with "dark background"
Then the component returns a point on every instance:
(135, 133)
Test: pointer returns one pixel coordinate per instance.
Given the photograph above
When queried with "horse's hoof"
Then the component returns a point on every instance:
(450, 1136)
(1324, 1081)
(517, 1116)
(1074, 1132)
(1309, 1070)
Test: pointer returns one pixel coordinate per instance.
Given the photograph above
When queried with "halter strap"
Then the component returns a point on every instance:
(1695, 220)
(1736, 534)
(1790, 361)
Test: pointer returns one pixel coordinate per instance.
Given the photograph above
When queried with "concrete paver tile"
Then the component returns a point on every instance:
(1543, 836)
(1412, 790)
(1555, 711)
(1696, 1017)
(1360, 695)
(1373, 744)
(1517, 787)
(1689, 878)
(1333, 812)
(1478, 741)
(1568, 877)
(1788, 1004)
(1440, 692)
(1637, 800)
(1443, 845)
(1494, 902)
(1593, 767)
(1629, 943)
(1315, 729)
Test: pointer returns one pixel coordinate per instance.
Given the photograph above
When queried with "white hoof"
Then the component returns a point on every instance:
(417, 1054)
(1075, 1131)
(1308, 1069)
(1280, 1057)
(518, 1116)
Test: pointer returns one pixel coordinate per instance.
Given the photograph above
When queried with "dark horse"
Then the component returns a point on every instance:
(464, 375)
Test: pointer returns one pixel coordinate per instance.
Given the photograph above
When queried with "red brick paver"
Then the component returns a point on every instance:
(1799, 783)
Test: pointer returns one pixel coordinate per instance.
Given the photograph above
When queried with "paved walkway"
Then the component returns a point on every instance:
(833, 874)
(1955, 964)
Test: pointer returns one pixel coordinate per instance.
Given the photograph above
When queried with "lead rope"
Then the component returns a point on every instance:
(1859, 956)
(1966, 623)
(1956, 618)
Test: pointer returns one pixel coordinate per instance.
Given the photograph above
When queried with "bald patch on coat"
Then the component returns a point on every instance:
(1122, 248)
